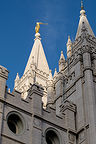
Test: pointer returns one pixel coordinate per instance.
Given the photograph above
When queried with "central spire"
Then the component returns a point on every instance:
(36, 70)
(37, 52)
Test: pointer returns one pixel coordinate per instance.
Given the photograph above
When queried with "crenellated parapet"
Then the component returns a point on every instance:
(3, 72)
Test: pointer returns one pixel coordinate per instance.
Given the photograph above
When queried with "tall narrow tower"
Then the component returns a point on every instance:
(87, 46)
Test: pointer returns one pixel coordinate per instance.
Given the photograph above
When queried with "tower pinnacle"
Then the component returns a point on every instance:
(83, 19)
(82, 12)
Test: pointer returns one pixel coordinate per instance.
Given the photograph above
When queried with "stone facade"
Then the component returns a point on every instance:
(70, 114)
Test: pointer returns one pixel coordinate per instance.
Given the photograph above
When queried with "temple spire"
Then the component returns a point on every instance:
(36, 70)
(83, 20)
(37, 52)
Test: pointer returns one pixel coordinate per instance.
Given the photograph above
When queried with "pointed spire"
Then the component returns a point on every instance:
(61, 62)
(55, 73)
(83, 19)
(16, 80)
(39, 56)
(62, 56)
(17, 77)
(69, 41)
(69, 44)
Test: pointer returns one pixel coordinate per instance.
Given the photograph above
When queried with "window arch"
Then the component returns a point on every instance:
(52, 136)
(15, 122)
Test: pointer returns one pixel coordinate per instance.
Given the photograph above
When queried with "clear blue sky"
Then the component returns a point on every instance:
(17, 24)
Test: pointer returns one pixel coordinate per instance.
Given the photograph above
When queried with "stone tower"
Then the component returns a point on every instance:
(70, 114)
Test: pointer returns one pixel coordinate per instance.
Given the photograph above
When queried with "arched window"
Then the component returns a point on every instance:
(52, 137)
(15, 122)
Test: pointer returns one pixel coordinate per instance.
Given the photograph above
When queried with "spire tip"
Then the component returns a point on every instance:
(82, 6)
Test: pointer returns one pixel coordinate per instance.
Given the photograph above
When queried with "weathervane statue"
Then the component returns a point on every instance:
(38, 26)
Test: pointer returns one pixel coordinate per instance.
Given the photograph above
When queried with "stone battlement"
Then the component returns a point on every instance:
(3, 72)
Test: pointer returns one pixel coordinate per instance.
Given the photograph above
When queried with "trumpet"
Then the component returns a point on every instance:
(38, 26)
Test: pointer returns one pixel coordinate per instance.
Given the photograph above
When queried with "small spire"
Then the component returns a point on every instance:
(61, 61)
(69, 41)
(55, 73)
(17, 77)
(82, 7)
(62, 56)
(83, 20)
(69, 44)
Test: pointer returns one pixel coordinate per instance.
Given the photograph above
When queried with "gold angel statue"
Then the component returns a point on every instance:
(38, 26)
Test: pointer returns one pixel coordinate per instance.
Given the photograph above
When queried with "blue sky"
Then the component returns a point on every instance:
(17, 30)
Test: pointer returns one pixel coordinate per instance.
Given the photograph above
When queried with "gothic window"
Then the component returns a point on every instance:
(15, 123)
(51, 137)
